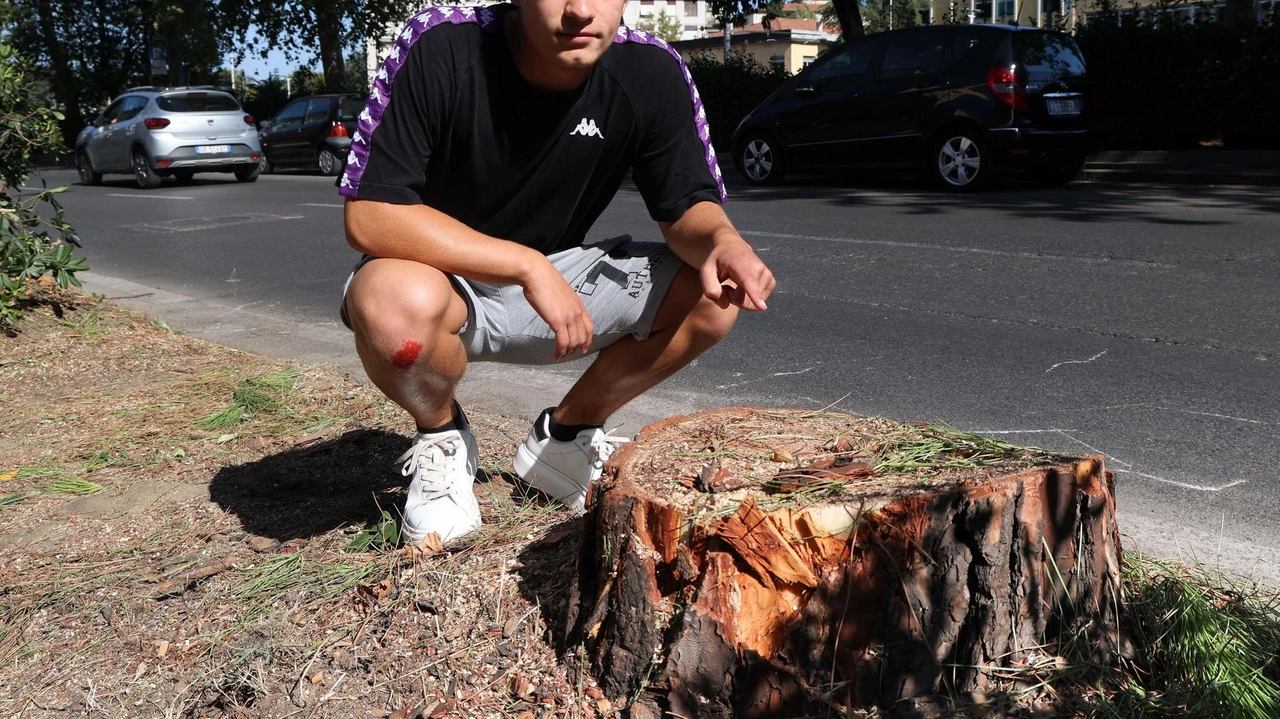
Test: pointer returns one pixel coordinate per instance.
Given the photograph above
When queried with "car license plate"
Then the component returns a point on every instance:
(1063, 107)
(215, 149)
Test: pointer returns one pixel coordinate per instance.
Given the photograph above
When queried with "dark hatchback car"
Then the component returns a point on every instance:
(311, 132)
(961, 101)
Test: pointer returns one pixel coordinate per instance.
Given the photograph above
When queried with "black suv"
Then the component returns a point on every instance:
(311, 132)
(959, 100)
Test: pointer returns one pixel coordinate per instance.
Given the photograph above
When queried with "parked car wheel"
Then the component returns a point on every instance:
(264, 165)
(328, 162)
(88, 176)
(248, 174)
(183, 176)
(760, 159)
(961, 161)
(143, 174)
(1059, 173)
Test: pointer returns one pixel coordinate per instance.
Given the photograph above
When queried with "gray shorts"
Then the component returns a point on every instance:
(622, 283)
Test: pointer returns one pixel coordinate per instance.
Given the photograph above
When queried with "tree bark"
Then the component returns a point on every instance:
(754, 563)
(329, 30)
(850, 14)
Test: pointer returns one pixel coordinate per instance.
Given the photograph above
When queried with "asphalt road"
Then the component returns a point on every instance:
(1139, 322)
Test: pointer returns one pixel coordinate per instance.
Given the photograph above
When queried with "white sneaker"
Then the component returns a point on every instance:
(564, 470)
(441, 499)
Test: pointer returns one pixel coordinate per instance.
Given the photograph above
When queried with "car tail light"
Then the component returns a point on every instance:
(338, 130)
(248, 120)
(156, 123)
(163, 163)
(1003, 83)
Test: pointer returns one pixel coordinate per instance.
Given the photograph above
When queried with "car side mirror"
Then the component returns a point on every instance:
(264, 124)
(807, 91)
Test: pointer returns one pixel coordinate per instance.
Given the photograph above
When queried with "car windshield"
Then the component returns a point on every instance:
(1047, 56)
(197, 102)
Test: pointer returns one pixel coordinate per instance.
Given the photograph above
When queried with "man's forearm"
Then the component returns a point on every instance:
(701, 229)
(424, 234)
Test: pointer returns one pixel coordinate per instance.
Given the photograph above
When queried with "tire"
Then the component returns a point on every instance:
(328, 162)
(1060, 172)
(961, 161)
(88, 175)
(264, 165)
(183, 176)
(143, 174)
(248, 174)
(760, 160)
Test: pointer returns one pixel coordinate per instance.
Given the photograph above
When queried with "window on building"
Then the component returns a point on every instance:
(691, 9)
(1004, 8)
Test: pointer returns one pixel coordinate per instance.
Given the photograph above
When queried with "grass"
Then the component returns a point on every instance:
(261, 394)
(1208, 644)
(932, 447)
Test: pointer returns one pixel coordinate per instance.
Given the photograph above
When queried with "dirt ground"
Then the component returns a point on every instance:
(191, 531)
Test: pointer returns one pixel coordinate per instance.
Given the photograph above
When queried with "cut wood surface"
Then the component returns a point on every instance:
(770, 563)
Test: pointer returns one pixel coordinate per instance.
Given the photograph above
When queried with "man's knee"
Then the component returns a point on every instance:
(708, 321)
(400, 297)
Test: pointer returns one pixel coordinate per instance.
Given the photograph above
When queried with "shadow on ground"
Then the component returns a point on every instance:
(308, 491)
(545, 572)
(1083, 202)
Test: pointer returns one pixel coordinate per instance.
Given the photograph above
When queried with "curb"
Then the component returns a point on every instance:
(1178, 177)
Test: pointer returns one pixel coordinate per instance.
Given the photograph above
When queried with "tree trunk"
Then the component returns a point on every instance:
(767, 563)
(850, 15)
(329, 30)
(65, 85)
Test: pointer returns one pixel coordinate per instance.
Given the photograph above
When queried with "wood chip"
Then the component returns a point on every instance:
(714, 478)
(782, 455)
(162, 650)
(263, 544)
(317, 677)
(184, 581)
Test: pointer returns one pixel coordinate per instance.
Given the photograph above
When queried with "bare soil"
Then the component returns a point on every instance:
(152, 568)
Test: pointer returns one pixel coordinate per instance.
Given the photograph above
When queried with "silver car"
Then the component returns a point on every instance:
(153, 133)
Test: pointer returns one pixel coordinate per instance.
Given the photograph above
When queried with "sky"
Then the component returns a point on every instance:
(255, 67)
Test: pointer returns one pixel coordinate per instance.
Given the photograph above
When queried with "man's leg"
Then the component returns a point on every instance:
(687, 325)
(406, 317)
(566, 450)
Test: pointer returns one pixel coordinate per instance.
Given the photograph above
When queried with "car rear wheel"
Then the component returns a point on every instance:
(147, 178)
(183, 176)
(761, 160)
(264, 165)
(961, 161)
(1058, 173)
(248, 174)
(88, 176)
(328, 162)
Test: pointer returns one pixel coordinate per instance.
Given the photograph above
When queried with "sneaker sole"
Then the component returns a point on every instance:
(545, 478)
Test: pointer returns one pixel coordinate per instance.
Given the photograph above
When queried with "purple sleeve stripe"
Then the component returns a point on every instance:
(626, 34)
(380, 94)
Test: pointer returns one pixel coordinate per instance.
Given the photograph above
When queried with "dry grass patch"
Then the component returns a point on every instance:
(176, 533)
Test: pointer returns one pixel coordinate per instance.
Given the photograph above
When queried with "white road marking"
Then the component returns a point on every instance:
(319, 204)
(761, 379)
(1184, 485)
(950, 248)
(150, 197)
(1087, 361)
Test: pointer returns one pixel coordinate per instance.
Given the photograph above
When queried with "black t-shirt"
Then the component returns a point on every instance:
(451, 123)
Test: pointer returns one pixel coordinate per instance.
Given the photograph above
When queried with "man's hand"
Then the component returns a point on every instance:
(734, 275)
(561, 308)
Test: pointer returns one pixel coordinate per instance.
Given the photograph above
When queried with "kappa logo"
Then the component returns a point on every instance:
(587, 128)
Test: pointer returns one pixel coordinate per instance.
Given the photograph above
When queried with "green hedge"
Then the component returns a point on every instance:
(730, 90)
(1164, 84)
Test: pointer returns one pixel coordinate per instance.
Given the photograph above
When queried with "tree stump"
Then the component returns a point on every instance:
(769, 563)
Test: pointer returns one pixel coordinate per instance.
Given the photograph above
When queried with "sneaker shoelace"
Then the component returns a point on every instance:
(436, 453)
(603, 446)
